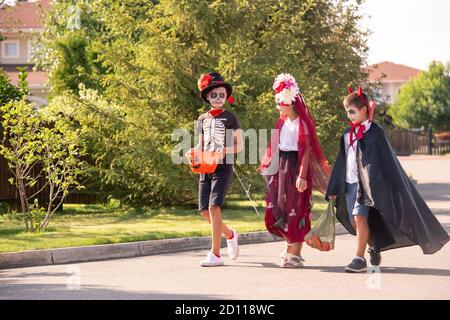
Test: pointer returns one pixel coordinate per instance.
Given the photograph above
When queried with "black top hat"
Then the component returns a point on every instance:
(210, 81)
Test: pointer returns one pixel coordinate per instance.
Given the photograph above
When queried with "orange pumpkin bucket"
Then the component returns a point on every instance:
(202, 161)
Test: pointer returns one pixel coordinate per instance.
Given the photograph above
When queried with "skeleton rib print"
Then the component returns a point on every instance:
(214, 131)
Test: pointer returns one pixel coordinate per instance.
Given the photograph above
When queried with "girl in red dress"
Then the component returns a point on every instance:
(294, 164)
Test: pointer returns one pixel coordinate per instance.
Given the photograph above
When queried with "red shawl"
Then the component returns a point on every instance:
(319, 171)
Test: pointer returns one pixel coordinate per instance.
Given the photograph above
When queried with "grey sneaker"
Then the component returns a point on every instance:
(375, 257)
(357, 265)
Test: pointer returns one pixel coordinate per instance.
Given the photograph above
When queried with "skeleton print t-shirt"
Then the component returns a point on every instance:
(217, 131)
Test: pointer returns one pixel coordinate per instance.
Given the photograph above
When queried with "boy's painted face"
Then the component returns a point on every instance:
(356, 115)
(217, 97)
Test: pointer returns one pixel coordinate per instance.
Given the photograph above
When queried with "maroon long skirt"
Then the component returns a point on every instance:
(288, 212)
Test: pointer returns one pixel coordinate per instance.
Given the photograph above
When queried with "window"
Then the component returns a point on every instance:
(10, 49)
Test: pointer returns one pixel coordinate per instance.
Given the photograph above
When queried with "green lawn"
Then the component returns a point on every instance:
(82, 225)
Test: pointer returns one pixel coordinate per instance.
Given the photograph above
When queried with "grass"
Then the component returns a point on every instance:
(83, 225)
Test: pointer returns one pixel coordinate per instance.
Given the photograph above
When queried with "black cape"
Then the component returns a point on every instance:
(398, 216)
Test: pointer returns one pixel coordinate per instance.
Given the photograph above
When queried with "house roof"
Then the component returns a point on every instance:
(24, 15)
(394, 72)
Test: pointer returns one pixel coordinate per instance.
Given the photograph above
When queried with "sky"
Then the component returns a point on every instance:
(409, 32)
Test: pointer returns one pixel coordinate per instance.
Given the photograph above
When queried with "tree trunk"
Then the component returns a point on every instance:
(23, 200)
(48, 216)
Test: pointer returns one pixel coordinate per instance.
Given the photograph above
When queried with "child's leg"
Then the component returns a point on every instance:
(219, 185)
(225, 230)
(293, 248)
(296, 248)
(293, 258)
(370, 241)
(216, 228)
(362, 234)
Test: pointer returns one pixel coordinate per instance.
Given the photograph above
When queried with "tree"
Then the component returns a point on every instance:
(140, 64)
(42, 157)
(8, 91)
(425, 100)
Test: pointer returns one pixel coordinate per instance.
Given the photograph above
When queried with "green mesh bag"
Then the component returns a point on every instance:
(323, 233)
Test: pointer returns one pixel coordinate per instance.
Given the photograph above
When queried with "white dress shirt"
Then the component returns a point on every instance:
(289, 134)
(351, 175)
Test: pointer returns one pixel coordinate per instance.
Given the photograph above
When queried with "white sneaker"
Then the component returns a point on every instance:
(233, 246)
(211, 260)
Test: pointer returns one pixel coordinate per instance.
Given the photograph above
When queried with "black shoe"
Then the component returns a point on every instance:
(375, 257)
(357, 265)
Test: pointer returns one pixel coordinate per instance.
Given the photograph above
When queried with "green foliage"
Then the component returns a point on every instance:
(43, 159)
(425, 100)
(23, 83)
(8, 91)
(128, 77)
(36, 215)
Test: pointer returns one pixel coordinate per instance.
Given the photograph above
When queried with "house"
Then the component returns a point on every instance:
(19, 20)
(391, 76)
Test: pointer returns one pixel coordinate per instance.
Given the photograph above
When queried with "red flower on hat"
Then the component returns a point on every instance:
(280, 87)
(204, 81)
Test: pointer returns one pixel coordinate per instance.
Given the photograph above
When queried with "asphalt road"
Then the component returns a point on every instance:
(405, 273)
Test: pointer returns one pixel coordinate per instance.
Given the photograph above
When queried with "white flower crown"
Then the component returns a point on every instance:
(286, 89)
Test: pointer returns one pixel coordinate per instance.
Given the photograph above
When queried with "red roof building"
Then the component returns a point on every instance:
(17, 24)
(392, 77)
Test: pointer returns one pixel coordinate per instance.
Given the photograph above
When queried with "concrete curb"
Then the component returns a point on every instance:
(36, 258)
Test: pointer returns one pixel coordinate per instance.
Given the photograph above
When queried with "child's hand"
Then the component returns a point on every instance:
(190, 152)
(301, 184)
(332, 197)
(220, 153)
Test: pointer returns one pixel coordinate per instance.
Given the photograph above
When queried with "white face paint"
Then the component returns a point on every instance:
(217, 97)
(356, 115)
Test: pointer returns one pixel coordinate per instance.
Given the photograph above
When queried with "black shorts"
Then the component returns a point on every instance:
(213, 187)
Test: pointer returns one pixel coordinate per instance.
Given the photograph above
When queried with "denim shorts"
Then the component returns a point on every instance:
(354, 207)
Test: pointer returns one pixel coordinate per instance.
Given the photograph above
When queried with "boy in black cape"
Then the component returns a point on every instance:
(375, 199)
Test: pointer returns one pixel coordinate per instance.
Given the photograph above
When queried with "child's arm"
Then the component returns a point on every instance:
(238, 145)
(199, 128)
(198, 147)
(304, 166)
(301, 183)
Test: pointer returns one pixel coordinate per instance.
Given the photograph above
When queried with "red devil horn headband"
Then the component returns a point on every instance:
(360, 94)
